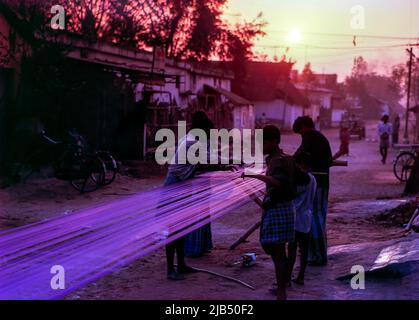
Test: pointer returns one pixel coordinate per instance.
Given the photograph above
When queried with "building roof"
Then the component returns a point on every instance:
(316, 89)
(267, 81)
(110, 54)
(232, 97)
(289, 92)
(207, 68)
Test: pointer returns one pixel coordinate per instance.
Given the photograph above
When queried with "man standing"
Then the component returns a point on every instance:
(385, 130)
(317, 146)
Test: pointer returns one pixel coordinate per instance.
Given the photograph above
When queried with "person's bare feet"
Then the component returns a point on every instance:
(173, 275)
(299, 281)
(279, 293)
(186, 270)
(287, 284)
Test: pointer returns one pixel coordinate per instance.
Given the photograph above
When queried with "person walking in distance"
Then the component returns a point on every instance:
(385, 131)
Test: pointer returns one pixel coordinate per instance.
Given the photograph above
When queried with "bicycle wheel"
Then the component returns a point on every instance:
(110, 165)
(91, 174)
(403, 165)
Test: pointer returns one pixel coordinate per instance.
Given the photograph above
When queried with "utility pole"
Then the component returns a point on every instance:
(409, 85)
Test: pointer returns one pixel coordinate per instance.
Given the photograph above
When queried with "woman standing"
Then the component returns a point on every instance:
(200, 240)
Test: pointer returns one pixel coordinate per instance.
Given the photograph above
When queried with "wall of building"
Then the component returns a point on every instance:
(321, 99)
(274, 110)
(244, 117)
(291, 114)
(337, 116)
(313, 111)
(189, 81)
(187, 95)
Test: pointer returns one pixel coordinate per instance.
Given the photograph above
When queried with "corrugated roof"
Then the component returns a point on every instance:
(302, 86)
(288, 91)
(232, 97)
(267, 81)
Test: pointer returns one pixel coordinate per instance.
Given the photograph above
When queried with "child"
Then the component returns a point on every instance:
(277, 226)
(344, 143)
(306, 191)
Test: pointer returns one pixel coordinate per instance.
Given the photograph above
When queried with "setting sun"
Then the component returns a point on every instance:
(294, 36)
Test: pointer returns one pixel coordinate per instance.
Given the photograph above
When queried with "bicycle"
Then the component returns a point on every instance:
(71, 161)
(110, 165)
(84, 169)
(404, 163)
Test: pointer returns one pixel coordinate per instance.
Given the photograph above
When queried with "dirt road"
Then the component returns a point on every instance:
(357, 192)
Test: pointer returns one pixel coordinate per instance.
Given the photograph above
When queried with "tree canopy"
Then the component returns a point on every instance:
(367, 85)
(187, 29)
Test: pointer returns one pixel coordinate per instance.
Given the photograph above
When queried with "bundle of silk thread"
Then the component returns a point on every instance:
(95, 241)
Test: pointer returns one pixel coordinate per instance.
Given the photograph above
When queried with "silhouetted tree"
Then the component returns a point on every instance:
(307, 75)
(188, 29)
(366, 85)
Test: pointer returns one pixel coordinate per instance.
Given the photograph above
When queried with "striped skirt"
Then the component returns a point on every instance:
(277, 224)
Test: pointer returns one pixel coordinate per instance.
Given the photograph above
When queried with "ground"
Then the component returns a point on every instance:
(357, 192)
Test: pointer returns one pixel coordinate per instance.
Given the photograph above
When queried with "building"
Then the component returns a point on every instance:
(197, 87)
(275, 98)
(326, 100)
(340, 107)
(321, 103)
(325, 80)
(128, 94)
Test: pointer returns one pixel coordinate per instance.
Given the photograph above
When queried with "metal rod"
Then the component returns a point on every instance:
(226, 277)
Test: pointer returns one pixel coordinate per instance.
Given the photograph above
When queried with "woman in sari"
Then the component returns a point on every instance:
(199, 241)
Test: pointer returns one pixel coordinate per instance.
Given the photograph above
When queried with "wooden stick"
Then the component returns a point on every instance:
(340, 163)
(226, 277)
(319, 173)
(252, 229)
(245, 236)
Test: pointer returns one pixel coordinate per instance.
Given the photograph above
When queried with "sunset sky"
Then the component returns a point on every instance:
(326, 32)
